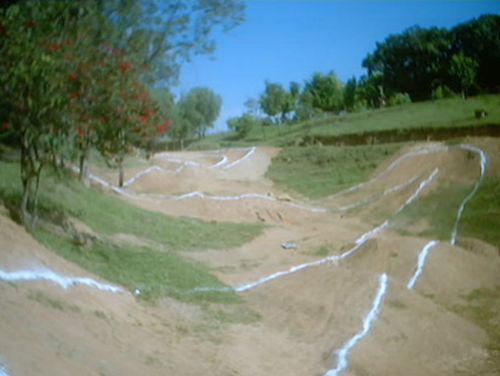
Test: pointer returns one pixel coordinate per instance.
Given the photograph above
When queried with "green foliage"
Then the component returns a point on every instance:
(399, 99)
(199, 108)
(410, 62)
(276, 101)
(325, 92)
(442, 92)
(419, 60)
(242, 125)
(317, 172)
(478, 39)
(73, 74)
(350, 94)
(463, 71)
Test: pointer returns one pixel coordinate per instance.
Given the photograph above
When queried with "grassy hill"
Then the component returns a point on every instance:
(431, 116)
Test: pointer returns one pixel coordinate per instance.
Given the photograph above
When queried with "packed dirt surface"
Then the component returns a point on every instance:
(291, 324)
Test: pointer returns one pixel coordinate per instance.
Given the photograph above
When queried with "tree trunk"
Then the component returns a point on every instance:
(83, 173)
(120, 173)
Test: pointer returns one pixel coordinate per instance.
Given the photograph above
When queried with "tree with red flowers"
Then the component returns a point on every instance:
(74, 74)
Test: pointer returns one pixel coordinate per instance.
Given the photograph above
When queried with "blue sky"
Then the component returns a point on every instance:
(285, 41)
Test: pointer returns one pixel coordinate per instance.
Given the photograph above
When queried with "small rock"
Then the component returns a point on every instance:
(289, 245)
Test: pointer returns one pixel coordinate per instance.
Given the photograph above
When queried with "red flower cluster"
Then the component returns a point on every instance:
(81, 132)
(54, 47)
(68, 42)
(125, 66)
(5, 125)
(162, 128)
(29, 23)
(73, 77)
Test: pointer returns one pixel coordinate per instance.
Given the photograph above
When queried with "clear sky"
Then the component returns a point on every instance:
(283, 41)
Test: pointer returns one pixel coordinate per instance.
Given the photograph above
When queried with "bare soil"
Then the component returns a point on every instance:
(289, 326)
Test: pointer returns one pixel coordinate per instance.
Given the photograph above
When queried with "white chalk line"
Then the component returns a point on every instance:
(431, 244)
(238, 161)
(421, 263)
(3, 369)
(423, 150)
(60, 280)
(357, 245)
(368, 320)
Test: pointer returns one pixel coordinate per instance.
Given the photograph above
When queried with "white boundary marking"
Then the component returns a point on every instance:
(421, 263)
(343, 352)
(60, 280)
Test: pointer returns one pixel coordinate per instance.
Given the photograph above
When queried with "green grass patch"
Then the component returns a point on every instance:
(109, 215)
(316, 172)
(482, 214)
(483, 308)
(453, 112)
(434, 215)
(154, 273)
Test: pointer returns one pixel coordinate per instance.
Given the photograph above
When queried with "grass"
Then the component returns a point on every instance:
(481, 218)
(155, 273)
(317, 172)
(454, 112)
(482, 214)
(483, 308)
(110, 215)
(432, 215)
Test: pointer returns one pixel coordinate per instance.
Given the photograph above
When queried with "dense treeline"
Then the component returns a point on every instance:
(415, 65)
(419, 61)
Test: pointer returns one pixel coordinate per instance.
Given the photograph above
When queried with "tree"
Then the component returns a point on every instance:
(33, 79)
(200, 107)
(276, 101)
(413, 62)
(242, 125)
(350, 94)
(75, 73)
(325, 92)
(163, 35)
(463, 71)
(479, 40)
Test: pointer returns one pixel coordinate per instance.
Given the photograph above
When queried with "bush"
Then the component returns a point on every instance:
(443, 92)
(242, 125)
(399, 99)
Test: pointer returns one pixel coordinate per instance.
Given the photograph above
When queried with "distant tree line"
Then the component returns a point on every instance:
(415, 65)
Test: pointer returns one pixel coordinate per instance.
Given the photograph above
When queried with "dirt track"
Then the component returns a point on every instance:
(302, 318)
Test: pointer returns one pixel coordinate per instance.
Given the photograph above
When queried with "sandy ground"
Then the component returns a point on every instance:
(300, 320)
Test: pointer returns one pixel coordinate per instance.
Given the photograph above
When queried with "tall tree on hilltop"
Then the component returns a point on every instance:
(325, 91)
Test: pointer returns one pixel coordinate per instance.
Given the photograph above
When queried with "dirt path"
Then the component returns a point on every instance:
(306, 322)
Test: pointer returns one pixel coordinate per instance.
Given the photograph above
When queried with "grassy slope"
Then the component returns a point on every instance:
(110, 215)
(317, 172)
(155, 273)
(454, 112)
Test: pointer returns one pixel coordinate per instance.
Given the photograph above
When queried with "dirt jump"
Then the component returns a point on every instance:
(378, 301)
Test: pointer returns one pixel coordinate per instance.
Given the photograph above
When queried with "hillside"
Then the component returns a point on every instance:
(423, 119)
